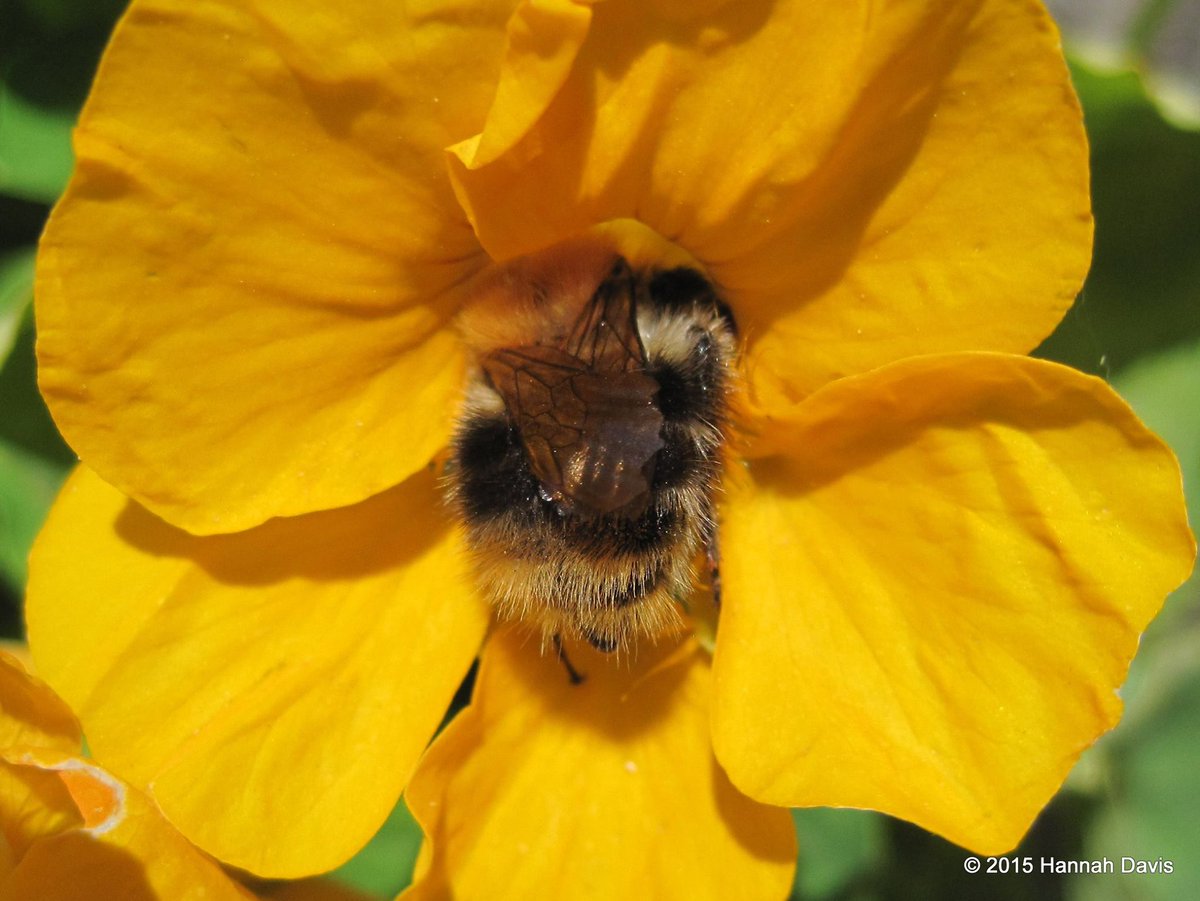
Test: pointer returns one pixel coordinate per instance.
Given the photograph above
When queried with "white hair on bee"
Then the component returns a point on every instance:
(668, 337)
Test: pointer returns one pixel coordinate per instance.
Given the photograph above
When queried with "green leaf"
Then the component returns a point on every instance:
(49, 50)
(16, 291)
(837, 848)
(385, 865)
(65, 15)
(28, 484)
(1143, 293)
(35, 147)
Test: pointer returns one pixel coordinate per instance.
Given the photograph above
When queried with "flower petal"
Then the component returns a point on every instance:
(78, 832)
(32, 804)
(243, 298)
(963, 552)
(865, 182)
(31, 714)
(289, 675)
(312, 890)
(541, 788)
(543, 37)
(131, 852)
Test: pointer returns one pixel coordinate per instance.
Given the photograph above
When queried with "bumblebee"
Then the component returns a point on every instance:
(589, 448)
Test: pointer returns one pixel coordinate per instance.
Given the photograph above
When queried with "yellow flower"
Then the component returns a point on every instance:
(938, 555)
(73, 830)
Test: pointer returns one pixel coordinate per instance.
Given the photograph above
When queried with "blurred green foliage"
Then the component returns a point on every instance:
(840, 851)
(1143, 292)
(385, 865)
(16, 294)
(1137, 793)
(48, 53)
(1154, 41)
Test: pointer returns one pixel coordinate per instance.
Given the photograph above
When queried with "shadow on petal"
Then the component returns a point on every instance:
(618, 699)
(74, 865)
(385, 532)
(759, 836)
(821, 229)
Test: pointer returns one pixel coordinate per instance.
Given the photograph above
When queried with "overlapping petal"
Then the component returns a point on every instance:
(865, 181)
(32, 714)
(123, 849)
(312, 890)
(290, 675)
(32, 805)
(607, 789)
(243, 297)
(72, 830)
(964, 551)
(543, 38)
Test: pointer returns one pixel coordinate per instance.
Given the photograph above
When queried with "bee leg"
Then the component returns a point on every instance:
(713, 556)
(573, 674)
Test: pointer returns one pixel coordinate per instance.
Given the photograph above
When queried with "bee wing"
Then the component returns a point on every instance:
(535, 383)
(590, 436)
(605, 336)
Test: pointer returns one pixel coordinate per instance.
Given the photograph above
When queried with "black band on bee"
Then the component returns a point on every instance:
(496, 479)
(686, 391)
(679, 461)
(602, 538)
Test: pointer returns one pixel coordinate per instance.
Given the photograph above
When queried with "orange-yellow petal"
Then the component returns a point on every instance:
(290, 675)
(31, 714)
(243, 297)
(312, 890)
(865, 181)
(608, 789)
(124, 849)
(543, 37)
(32, 804)
(934, 589)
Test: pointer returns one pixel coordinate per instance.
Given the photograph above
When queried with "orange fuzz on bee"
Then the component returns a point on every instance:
(590, 444)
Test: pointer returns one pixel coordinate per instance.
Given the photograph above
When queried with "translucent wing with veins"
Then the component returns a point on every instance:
(586, 411)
